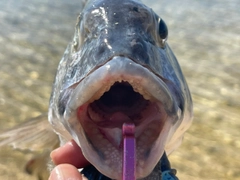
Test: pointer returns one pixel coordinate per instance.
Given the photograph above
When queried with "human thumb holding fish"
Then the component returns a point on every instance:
(67, 159)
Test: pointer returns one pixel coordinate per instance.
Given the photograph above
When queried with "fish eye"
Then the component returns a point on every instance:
(162, 30)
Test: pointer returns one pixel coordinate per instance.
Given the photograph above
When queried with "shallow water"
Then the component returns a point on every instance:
(205, 38)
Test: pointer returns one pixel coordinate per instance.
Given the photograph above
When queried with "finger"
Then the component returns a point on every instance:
(65, 172)
(70, 153)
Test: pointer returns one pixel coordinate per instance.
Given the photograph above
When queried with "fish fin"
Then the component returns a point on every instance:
(35, 134)
(37, 166)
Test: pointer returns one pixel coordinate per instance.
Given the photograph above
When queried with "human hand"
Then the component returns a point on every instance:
(67, 159)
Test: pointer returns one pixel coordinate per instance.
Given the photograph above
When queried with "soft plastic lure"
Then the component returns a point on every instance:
(129, 152)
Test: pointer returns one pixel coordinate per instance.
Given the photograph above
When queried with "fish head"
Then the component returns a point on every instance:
(119, 69)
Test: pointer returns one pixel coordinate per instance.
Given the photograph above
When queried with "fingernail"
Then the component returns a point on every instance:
(56, 174)
(54, 152)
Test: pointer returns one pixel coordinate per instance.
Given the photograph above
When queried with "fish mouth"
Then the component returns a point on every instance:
(121, 91)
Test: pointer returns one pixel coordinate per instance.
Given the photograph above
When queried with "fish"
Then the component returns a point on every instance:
(120, 69)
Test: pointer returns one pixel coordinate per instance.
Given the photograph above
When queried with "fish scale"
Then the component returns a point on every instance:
(121, 41)
(118, 42)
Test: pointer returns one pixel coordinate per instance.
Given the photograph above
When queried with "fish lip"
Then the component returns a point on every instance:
(118, 68)
(108, 70)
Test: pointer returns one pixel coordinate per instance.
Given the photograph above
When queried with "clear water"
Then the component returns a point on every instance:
(205, 36)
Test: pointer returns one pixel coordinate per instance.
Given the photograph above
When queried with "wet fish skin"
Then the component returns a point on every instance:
(110, 30)
(123, 36)
(125, 29)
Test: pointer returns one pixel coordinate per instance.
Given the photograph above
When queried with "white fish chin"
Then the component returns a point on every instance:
(94, 119)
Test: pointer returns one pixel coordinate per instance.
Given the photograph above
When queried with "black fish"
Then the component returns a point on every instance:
(119, 69)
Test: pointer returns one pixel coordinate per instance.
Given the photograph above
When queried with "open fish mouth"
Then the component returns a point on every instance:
(118, 92)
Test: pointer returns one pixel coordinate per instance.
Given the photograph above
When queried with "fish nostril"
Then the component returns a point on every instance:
(140, 50)
(135, 9)
(101, 49)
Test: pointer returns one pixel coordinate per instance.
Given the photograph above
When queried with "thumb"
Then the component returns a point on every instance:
(65, 172)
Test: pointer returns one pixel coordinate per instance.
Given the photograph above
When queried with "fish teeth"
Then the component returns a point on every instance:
(140, 90)
(107, 85)
(101, 91)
